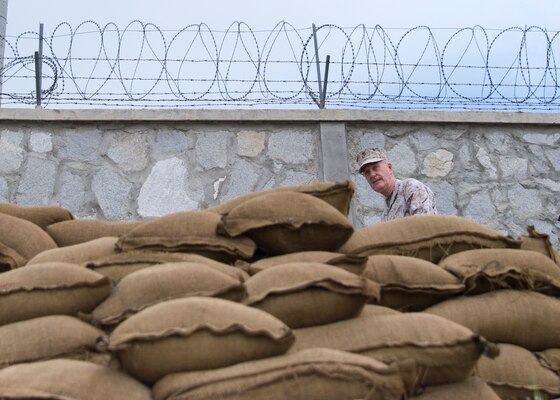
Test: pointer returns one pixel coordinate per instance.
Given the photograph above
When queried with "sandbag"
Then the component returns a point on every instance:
(49, 289)
(445, 352)
(521, 317)
(187, 232)
(193, 334)
(337, 194)
(54, 336)
(550, 359)
(117, 266)
(374, 309)
(163, 282)
(350, 263)
(20, 240)
(314, 374)
(472, 388)
(409, 283)
(517, 374)
(77, 253)
(307, 294)
(539, 242)
(483, 270)
(68, 380)
(67, 233)
(43, 216)
(288, 222)
(429, 237)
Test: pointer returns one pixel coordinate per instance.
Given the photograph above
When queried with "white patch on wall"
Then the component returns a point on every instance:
(217, 185)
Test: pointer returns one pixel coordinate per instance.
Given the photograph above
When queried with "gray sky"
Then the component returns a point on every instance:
(258, 14)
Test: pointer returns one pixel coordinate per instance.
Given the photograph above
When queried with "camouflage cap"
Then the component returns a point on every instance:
(368, 156)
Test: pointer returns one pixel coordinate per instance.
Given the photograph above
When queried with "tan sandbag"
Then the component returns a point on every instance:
(483, 270)
(308, 294)
(472, 388)
(409, 283)
(337, 194)
(374, 309)
(78, 253)
(350, 263)
(20, 240)
(539, 242)
(68, 380)
(117, 266)
(445, 352)
(187, 232)
(49, 289)
(163, 282)
(550, 358)
(196, 333)
(321, 374)
(521, 317)
(288, 222)
(517, 373)
(54, 336)
(429, 237)
(68, 233)
(42, 216)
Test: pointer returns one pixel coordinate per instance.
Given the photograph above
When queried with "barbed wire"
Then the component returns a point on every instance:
(368, 67)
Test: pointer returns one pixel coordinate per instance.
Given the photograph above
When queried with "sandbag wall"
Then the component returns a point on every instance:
(274, 295)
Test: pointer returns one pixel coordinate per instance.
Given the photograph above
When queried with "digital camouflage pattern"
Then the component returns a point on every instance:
(410, 197)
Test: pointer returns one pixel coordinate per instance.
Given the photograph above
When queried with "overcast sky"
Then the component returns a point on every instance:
(264, 14)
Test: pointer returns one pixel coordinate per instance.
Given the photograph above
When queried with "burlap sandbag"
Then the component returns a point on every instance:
(525, 318)
(308, 294)
(187, 232)
(42, 216)
(196, 333)
(288, 222)
(78, 253)
(314, 374)
(430, 237)
(117, 266)
(49, 289)
(409, 283)
(517, 374)
(374, 309)
(539, 242)
(68, 380)
(483, 270)
(54, 336)
(337, 194)
(472, 388)
(20, 240)
(350, 263)
(444, 351)
(77, 231)
(550, 358)
(163, 282)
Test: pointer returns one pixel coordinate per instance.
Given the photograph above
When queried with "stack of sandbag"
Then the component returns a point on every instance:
(511, 298)
(275, 295)
(121, 306)
(39, 309)
(503, 289)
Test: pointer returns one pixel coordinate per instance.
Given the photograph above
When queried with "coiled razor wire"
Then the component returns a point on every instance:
(370, 67)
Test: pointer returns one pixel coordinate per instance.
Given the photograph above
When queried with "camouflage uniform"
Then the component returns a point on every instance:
(409, 197)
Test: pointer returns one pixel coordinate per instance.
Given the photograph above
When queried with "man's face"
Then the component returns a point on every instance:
(380, 177)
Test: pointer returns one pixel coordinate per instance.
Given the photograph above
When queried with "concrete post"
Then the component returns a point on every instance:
(3, 21)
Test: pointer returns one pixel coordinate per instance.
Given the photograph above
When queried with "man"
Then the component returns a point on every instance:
(402, 197)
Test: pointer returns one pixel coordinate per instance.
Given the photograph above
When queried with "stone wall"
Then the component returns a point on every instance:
(499, 169)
